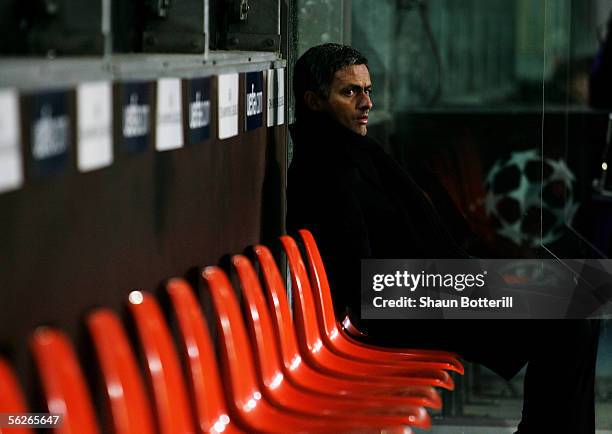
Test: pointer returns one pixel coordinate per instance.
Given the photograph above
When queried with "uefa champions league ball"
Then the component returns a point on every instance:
(530, 200)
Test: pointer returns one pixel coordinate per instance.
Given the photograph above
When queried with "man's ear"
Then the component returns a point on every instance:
(313, 101)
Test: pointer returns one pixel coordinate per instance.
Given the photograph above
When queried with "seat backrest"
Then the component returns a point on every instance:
(279, 306)
(11, 398)
(63, 382)
(263, 335)
(304, 307)
(236, 353)
(173, 411)
(319, 284)
(130, 409)
(198, 350)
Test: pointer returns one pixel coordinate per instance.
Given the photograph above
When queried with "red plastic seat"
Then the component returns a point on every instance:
(312, 346)
(280, 389)
(205, 382)
(246, 398)
(333, 336)
(63, 382)
(173, 410)
(130, 409)
(11, 398)
(315, 376)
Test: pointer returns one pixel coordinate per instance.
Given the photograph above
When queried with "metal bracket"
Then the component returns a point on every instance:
(260, 32)
(244, 10)
(183, 27)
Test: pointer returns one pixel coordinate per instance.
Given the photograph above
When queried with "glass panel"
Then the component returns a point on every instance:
(574, 200)
(452, 75)
(321, 21)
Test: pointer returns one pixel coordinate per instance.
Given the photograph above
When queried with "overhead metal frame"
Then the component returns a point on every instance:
(30, 74)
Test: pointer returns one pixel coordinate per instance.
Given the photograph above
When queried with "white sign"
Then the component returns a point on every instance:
(11, 167)
(280, 99)
(94, 125)
(228, 105)
(276, 97)
(271, 83)
(169, 132)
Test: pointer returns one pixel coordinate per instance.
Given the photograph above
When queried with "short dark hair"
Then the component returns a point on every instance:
(315, 70)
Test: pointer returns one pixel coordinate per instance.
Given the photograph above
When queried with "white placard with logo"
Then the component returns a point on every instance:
(227, 105)
(11, 166)
(280, 100)
(271, 96)
(276, 97)
(94, 125)
(169, 133)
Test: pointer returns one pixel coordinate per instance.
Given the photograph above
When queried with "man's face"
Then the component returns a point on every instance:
(349, 100)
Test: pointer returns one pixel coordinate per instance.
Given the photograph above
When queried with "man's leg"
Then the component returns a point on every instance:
(561, 356)
(560, 379)
(497, 344)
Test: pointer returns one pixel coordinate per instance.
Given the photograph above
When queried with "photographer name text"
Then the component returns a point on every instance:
(426, 302)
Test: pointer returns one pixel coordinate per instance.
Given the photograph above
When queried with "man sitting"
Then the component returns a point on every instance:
(360, 203)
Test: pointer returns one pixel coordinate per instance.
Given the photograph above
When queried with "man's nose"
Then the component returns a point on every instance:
(365, 102)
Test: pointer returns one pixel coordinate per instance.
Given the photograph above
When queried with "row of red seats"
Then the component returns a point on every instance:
(280, 373)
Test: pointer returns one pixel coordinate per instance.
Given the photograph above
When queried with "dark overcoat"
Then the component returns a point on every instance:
(360, 203)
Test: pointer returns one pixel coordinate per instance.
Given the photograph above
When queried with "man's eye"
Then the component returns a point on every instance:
(349, 92)
(368, 91)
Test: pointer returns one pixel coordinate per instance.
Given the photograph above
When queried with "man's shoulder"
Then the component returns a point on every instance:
(322, 172)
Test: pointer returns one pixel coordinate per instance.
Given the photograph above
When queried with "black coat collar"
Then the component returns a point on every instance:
(321, 138)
